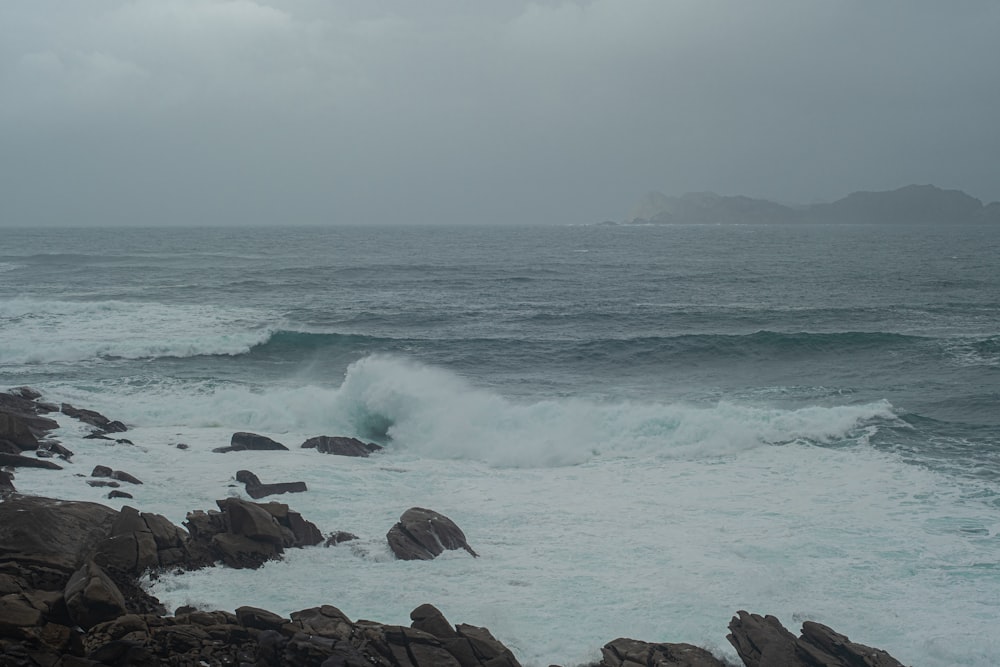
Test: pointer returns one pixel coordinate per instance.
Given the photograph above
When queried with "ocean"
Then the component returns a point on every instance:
(641, 429)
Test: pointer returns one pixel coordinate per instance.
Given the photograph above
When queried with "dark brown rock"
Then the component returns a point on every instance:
(260, 619)
(102, 483)
(17, 612)
(15, 430)
(247, 477)
(624, 652)
(848, 653)
(255, 489)
(27, 393)
(264, 490)
(125, 477)
(58, 449)
(341, 446)
(92, 597)
(251, 520)
(252, 441)
(325, 621)
(18, 461)
(101, 471)
(119, 494)
(339, 537)
(423, 534)
(56, 534)
(6, 483)
(241, 552)
(761, 641)
(29, 412)
(93, 418)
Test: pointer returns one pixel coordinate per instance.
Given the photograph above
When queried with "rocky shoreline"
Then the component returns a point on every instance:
(70, 593)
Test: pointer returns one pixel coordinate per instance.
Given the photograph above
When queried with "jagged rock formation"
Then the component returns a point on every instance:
(761, 641)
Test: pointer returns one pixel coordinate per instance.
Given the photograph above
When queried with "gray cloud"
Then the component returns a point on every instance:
(221, 112)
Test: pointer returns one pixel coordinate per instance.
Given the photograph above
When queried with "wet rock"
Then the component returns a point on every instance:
(341, 446)
(93, 418)
(27, 393)
(124, 477)
(29, 412)
(119, 494)
(256, 489)
(339, 537)
(102, 483)
(58, 449)
(423, 534)
(242, 441)
(18, 461)
(97, 435)
(105, 471)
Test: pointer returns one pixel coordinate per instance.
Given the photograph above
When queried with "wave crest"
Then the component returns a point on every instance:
(42, 331)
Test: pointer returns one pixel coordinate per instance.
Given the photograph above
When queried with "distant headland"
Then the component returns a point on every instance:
(912, 204)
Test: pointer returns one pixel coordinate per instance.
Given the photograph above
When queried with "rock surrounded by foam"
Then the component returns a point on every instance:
(423, 534)
(242, 440)
(341, 446)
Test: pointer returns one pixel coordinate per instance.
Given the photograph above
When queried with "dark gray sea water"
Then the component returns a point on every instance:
(587, 345)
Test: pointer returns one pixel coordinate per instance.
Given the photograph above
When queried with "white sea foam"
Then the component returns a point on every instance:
(34, 331)
(433, 413)
(661, 549)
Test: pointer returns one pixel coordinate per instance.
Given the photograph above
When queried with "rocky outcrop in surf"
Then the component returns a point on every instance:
(257, 489)
(242, 441)
(341, 446)
(423, 534)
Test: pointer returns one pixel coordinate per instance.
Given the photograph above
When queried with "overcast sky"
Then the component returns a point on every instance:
(323, 111)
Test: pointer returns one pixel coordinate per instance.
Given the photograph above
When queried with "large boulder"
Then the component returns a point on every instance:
(243, 534)
(470, 645)
(423, 534)
(341, 446)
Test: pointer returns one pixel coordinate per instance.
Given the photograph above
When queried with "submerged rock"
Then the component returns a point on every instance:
(423, 534)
